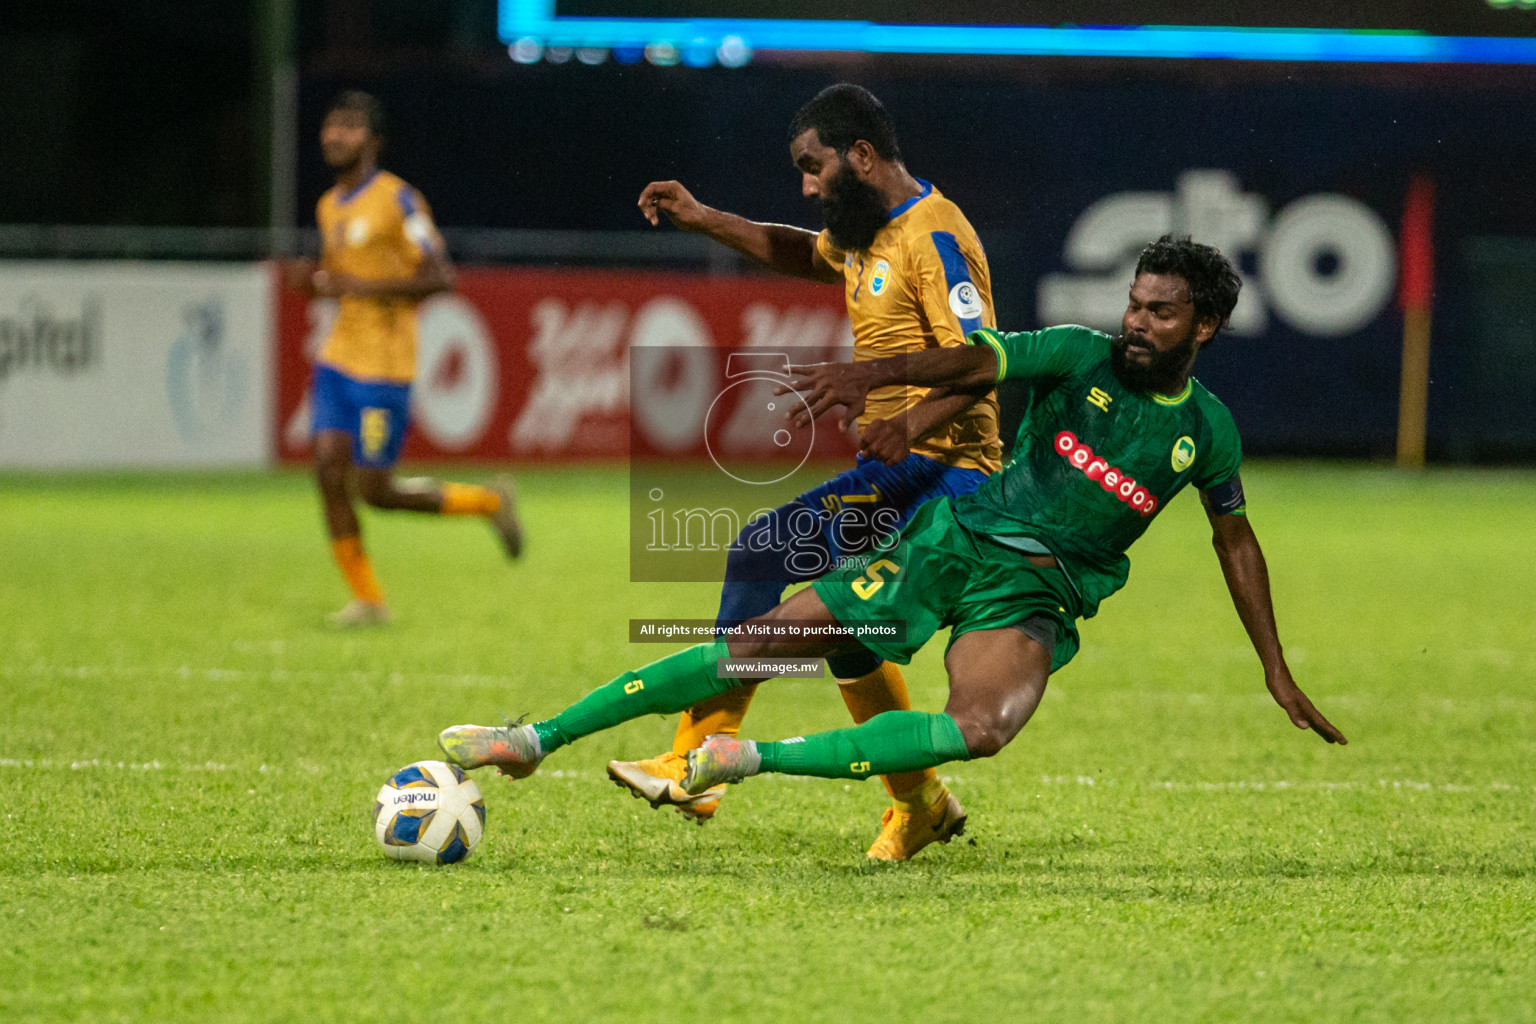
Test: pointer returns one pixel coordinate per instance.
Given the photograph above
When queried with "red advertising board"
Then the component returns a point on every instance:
(534, 366)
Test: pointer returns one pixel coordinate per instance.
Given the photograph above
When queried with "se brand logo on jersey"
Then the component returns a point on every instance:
(1183, 454)
(1111, 478)
(881, 279)
(965, 300)
(357, 231)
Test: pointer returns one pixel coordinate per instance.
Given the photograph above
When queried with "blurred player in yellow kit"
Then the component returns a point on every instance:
(380, 256)
(915, 277)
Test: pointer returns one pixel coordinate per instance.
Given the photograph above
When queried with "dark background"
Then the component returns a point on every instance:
(157, 113)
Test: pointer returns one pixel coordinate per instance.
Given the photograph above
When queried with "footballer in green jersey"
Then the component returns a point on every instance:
(1115, 427)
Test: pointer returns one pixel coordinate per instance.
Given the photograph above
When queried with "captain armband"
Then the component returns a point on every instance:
(1226, 499)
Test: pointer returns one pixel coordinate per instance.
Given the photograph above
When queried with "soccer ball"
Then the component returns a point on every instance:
(429, 811)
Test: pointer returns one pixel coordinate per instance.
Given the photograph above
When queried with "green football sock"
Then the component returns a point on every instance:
(896, 741)
(675, 683)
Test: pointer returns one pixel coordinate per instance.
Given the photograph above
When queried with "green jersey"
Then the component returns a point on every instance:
(1095, 461)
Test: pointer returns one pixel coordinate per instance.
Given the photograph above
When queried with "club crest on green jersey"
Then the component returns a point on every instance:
(1183, 453)
(881, 278)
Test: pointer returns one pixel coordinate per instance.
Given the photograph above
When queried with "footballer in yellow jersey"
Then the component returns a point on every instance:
(921, 283)
(380, 256)
(915, 278)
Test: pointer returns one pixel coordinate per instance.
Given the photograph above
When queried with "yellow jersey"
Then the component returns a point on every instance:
(379, 230)
(922, 283)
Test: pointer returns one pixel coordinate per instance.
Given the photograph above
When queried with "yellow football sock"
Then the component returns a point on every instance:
(357, 569)
(469, 500)
(875, 693)
(927, 792)
(718, 714)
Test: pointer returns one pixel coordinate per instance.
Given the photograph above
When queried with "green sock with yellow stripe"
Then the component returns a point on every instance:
(674, 683)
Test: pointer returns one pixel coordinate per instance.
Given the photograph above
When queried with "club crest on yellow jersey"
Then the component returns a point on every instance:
(881, 278)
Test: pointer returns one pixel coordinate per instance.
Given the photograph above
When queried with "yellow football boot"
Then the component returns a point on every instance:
(659, 781)
(905, 832)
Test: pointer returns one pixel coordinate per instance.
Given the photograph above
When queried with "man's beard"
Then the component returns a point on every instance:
(342, 161)
(1163, 372)
(854, 210)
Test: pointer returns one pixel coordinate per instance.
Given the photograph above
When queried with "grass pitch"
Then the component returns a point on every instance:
(188, 760)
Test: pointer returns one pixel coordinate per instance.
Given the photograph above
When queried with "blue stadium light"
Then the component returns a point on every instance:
(537, 19)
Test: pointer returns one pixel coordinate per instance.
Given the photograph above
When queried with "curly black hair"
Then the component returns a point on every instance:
(842, 115)
(1213, 281)
(364, 103)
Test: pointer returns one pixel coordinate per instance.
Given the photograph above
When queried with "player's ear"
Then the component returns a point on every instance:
(1205, 329)
(861, 156)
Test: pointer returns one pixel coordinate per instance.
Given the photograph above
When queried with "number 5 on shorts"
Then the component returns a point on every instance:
(866, 585)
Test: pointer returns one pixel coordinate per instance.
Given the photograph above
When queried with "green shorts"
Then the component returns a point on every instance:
(940, 574)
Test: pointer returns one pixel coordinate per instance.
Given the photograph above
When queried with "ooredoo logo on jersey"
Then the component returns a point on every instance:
(1111, 478)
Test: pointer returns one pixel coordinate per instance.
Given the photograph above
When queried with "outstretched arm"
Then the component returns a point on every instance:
(788, 250)
(823, 385)
(891, 440)
(433, 274)
(1242, 563)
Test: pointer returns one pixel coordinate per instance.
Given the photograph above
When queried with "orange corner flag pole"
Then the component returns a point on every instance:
(1416, 295)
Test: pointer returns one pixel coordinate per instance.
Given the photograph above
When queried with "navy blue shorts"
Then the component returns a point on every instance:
(871, 502)
(375, 413)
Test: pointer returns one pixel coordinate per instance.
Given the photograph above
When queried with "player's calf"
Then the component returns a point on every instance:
(379, 489)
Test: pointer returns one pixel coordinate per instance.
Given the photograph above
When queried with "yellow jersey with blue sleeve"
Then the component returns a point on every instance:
(922, 283)
(379, 230)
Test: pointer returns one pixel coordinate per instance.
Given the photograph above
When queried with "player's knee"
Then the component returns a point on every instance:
(750, 646)
(986, 733)
(376, 491)
(740, 562)
(754, 557)
(757, 640)
(853, 664)
(331, 475)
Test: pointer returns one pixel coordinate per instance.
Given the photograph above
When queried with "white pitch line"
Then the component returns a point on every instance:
(97, 764)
